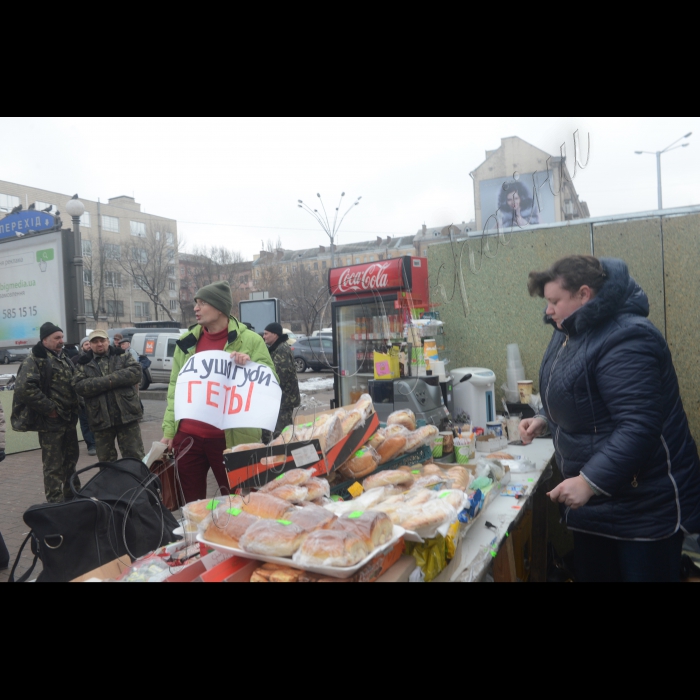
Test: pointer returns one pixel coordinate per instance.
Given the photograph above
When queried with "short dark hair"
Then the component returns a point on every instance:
(572, 273)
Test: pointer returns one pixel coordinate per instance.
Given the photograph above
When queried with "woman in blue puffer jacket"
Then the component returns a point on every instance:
(631, 488)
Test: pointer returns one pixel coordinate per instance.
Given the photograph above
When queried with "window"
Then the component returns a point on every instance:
(113, 252)
(173, 305)
(170, 255)
(110, 223)
(89, 308)
(139, 255)
(84, 219)
(87, 248)
(315, 266)
(138, 228)
(170, 239)
(172, 346)
(324, 264)
(87, 278)
(8, 202)
(349, 261)
(171, 271)
(113, 279)
(358, 261)
(115, 308)
(172, 286)
(140, 282)
(40, 206)
(141, 309)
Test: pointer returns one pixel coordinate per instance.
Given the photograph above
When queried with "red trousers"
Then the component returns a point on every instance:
(194, 466)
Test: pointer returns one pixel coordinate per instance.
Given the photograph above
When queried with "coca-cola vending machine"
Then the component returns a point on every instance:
(372, 304)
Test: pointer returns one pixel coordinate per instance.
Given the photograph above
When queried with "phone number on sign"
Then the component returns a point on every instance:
(24, 312)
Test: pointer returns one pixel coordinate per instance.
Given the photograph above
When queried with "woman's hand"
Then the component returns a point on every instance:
(168, 442)
(532, 428)
(573, 493)
(240, 358)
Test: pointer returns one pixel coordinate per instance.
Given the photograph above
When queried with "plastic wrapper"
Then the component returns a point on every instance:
(391, 448)
(334, 549)
(493, 469)
(365, 502)
(311, 517)
(228, 527)
(362, 464)
(352, 421)
(270, 538)
(292, 494)
(431, 482)
(405, 418)
(365, 406)
(149, 570)
(375, 529)
(317, 489)
(418, 496)
(390, 479)
(421, 437)
(199, 511)
(329, 433)
(266, 506)
(457, 499)
(431, 557)
(430, 518)
(295, 477)
(395, 431)
(460, 478)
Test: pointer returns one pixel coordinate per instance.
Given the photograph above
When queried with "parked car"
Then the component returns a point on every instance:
(159, 348)
(313, 353)
(324, 333)
(9, 356)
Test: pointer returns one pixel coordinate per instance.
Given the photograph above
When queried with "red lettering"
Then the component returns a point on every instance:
(227, 389)
(211, 392)
(250, 397)
(189, 390)
(238, 403)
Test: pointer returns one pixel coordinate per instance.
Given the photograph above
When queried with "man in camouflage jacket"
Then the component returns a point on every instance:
(44, 401)
(278, 345)
(108, 379)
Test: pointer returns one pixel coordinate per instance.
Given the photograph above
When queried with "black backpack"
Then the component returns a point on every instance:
(119, 514)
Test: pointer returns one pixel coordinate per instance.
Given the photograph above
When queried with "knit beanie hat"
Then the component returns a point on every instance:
(217, 295)
(47, 330)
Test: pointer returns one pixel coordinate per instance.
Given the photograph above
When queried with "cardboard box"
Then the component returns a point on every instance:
(108, 572)
(381, 564)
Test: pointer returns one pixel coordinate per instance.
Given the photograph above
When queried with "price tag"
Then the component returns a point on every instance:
(305, 456)
(235, 512)
(356, 490)
(356, 516)
(213, 505)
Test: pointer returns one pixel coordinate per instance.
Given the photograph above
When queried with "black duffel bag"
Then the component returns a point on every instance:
(118, 514)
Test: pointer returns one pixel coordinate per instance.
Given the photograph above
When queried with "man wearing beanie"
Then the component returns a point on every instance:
(278, 345)
(200, 446)
(44, 401)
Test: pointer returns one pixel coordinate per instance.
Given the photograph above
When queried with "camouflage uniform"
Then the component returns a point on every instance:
(282, 356)
(44, 385)
(109, 386)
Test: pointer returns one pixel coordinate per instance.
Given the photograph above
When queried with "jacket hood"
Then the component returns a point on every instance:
(620, 295)
(88, 357)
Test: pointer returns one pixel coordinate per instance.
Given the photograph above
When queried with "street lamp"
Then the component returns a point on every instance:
(658, 155)
(76, 209)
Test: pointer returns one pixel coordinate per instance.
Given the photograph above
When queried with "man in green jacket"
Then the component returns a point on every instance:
(200, 446)
(108, 379)
(44, 401)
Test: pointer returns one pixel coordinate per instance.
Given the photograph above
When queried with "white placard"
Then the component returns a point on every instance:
(305, 456)
(212, 389)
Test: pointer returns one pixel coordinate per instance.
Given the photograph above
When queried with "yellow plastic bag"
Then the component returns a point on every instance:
(431, 557)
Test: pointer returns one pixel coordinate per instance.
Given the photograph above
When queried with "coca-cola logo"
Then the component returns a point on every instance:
(372, 277)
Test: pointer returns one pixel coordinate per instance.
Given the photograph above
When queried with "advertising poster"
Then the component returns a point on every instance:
(517, 203)
(31, 288)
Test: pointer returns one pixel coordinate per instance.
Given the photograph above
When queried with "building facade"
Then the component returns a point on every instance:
(131, 267)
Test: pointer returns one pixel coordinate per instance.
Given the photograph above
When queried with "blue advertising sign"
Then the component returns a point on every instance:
(18, 225)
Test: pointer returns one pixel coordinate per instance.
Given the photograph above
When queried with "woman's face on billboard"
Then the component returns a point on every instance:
(514, 201)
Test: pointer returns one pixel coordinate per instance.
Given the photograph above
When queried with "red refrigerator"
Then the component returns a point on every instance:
(372, 305)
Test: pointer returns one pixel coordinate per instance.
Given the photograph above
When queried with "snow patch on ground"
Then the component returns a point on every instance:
(316, 384)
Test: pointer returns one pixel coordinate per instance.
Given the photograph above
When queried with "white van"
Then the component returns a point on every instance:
(159, 348)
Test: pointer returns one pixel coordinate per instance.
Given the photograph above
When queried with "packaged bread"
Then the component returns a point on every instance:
(388, 478)
(351, 421)
(245, 448)
(432, 470)
(418, 497)
(456, 498)
(501, 456)
(263, 574)
(272, 538)
(364, 503)
(428, 518)
(375, 529)
(365, 406)
(310, 518)
(405, 418)
(228, 529)
(362, 464)
(266, 506)
(430, 482)
(292, 494)
(199, 511)
(421, 437)
(391, 448)
(317, 488)
(294, 477)
(323, 502)
(331, 549)
(329, 433)
(377, 439)
(460, 478)
(395, 431)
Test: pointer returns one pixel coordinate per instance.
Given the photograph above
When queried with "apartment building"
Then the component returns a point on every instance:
(131, 263)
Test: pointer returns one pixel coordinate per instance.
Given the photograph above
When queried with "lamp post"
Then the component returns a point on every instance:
(76, 297)
(658, 155)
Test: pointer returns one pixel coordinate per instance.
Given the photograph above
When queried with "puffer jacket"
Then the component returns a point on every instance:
(611, 396)
(122, 382)
(44, 385)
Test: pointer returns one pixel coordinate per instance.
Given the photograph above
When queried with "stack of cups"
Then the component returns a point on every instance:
(516, 372)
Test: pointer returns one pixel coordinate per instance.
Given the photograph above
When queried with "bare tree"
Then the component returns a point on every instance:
(94, 266)
(304, 298)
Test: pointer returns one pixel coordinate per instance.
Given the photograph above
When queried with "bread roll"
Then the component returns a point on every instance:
(365, 406)
(430, 482)
(432, 470)
(421, 437)
(310, 518)
(229, 529)
(318, 488)
(388, 478)
(375, 529)
(292, 494)
(351, 422)
(460, 478)
(331, 548)
(391, 448)
(266, 506)
(396, 431)
(405, 418)
(285, 576)
(376, 440)
(269, 538)
(364, 462)
(294, 477)
(419, 497)
(199, 511)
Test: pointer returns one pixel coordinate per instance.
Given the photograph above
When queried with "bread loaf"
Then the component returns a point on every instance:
(318, 488)
(375, 529)
(365, 406)
(391, 448)
(405, 418)
(454, 497)
(311, 517)
(421, 437)
(270, 538)
(364, 462)
(376, 440)
(388, 478)
(430, 516)
(331, 548)
(351, 422)
(266, 506)
(292, 494)
(294, 477)
(228, 529)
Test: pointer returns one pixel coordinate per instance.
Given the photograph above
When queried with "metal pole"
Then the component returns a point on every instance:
(80, 319)
(658, 166)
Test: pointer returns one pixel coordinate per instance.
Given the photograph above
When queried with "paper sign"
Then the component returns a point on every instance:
(383, 369)
(305, 456)
(212, 389)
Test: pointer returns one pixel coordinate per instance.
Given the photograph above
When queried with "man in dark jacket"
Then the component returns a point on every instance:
(108, 378)
(630, 466)
(278, 345)
(45, 402)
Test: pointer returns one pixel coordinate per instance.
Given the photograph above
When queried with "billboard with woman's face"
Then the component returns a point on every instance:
(527, 201)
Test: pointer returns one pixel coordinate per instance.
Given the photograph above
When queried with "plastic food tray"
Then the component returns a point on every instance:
(330, 572)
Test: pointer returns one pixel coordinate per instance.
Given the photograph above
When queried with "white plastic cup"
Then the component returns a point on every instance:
(514, 358)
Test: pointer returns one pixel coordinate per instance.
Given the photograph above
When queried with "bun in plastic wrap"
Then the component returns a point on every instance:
(227, 529)
(362, 464)
(310, 518)
(270, 538)
(318, 488)
(292, 494)
(266, 506)
(331, 548)
(405, 418)
(199, 511)
(429, 517)
(388, 478)
(391, 448)
(295, 477)
(421, 437)
(375, 529)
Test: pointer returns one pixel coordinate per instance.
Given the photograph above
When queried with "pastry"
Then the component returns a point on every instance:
(331, 548)
(228, 529)
(388, 478)
(270, 538)
(318, 488)
(375, 529)
(292, 494)
(391, 448)
(266, 506)
(405, 418)
(295, 477)
(311, 517)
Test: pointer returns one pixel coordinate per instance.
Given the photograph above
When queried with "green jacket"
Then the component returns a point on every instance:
(44, 385)
(240, 339)
(283, 358)
(111, 400)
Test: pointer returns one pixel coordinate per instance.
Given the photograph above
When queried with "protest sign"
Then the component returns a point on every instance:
(212, 389)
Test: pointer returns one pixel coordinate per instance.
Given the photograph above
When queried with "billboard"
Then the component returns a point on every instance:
(527, 201)
(31, 288)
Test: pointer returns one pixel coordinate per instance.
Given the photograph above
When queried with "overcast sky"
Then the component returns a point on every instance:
(235, 181)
